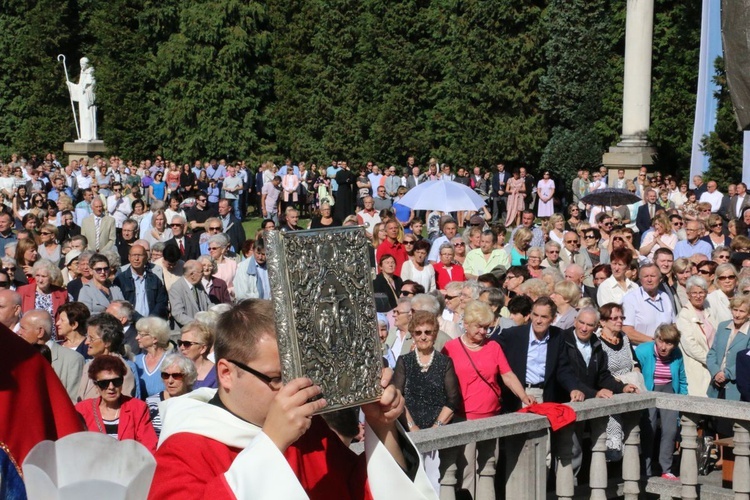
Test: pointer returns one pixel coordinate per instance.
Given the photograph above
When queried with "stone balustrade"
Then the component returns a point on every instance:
(524, 437)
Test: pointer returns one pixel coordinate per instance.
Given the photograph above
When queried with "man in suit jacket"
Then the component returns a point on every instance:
(187, 296)
(189, 247)
(646, 211)
(232, 225)
(414, 179)
(36, 328)
(499, 180)
(106, 223)
(534, 353)
(154, 301)
(738, 202)
(126, 314)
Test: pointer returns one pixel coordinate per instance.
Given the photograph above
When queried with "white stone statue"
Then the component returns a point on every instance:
(84, 94)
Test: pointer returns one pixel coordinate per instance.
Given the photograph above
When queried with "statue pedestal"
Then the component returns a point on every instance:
(86, 150)
(628, 158)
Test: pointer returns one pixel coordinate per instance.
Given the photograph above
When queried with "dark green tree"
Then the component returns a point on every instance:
(675, 80)
(35, 112)
(724, 145)
(583, 67)
(212, 82)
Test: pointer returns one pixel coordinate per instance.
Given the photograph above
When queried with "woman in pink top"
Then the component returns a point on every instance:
(478, 364)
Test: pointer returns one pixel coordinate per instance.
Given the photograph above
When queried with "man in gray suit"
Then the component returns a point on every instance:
(739, 202)
(36, 328)
(187, 295)
(104, 237)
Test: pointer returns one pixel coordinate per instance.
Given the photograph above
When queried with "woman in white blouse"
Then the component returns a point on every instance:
(417, 269)
(697, 325)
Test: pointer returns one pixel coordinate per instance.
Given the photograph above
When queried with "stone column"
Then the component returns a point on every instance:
(598, 477)
(633, 150)
(689, 462)
(636, 96)
(631, 462)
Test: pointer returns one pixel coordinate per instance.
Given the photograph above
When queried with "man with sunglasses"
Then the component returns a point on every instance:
(256, 437)
(118, 206)
(189, 248)
(199, 213)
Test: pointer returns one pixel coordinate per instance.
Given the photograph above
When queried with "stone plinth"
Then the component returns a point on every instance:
(628, 158)
(89, 150)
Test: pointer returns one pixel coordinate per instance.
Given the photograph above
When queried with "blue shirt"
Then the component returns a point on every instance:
(536, 358)
(685, 249)
(141, 301)
(150, 382)
(331, 174)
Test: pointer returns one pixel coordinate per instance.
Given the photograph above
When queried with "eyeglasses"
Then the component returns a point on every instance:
(215, 228)
(678, 224)
(589, 236)
(175, 225)
(100, 270)
(407, 293)
(176, 376)
(553, 252)
(104, 383)
(396, 312)
(459, 244)
(716, 225)
(451, 297)
(187, 344)
(202, 199)
(698, 294)
(214, 248)
(607, 224)
(45, 233)
(572, 242)
(116, 190)
(408, 242)
(418, 333)
(39, 201)
(725, 278)
(705, 272)
(272, 382)
(617, 318)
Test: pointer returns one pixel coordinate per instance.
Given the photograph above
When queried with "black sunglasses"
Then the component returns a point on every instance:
(176, 376)
(104, 383)
(187, 344)
(272, 382)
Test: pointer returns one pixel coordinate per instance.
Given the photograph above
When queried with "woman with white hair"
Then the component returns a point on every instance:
(698, 325)
(226, 268)
(566, 295)
(178, 375)
(216, 288)
(153, 339)
(46, 292)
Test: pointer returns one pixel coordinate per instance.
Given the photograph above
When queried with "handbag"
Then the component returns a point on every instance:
(497, 394)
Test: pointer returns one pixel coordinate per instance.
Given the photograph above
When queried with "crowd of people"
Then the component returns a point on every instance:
(124, 276)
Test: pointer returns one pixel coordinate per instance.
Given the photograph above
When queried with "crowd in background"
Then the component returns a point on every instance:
(118, 272)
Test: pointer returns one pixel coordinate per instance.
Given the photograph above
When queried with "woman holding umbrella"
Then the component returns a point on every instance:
(516, 189)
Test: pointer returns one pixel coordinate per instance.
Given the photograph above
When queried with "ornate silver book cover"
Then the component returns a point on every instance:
(325, 314)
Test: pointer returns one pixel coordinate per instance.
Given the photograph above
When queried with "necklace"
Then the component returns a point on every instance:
(470, 346)
(425, 366)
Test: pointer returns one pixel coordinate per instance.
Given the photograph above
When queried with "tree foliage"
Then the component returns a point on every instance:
(469, 82)
(724, 145)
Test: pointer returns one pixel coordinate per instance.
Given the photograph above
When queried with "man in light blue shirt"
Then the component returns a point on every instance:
(693, 244)
(331, 174)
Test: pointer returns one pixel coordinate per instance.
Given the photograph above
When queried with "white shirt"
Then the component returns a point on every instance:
(644, 313)
(713, 198)
(585, 349)
(610, 291)
(740, 202)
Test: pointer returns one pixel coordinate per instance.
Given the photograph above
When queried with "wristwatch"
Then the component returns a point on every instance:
(409, 424)
(439, 423)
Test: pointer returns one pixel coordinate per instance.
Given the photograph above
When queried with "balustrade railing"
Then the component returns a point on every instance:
(524, 437)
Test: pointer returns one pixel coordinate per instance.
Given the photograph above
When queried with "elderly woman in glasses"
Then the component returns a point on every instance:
(726, 285)
(111, 412)
(459, 246)
(662, 236)
(98, 293)
(178, 374)
(428, 382)
(325, 218)
(217, 290)
(196, 341)
(698, 325)
(218, 246)
(446, 270)
(153, 340)
(46, 292)
(50, 248)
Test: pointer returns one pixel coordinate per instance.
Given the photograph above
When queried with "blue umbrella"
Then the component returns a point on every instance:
(446, 196)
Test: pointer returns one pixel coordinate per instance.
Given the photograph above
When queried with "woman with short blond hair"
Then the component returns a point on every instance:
(153, 339)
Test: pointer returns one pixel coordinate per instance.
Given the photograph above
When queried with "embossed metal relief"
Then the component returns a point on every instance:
(325, 312)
